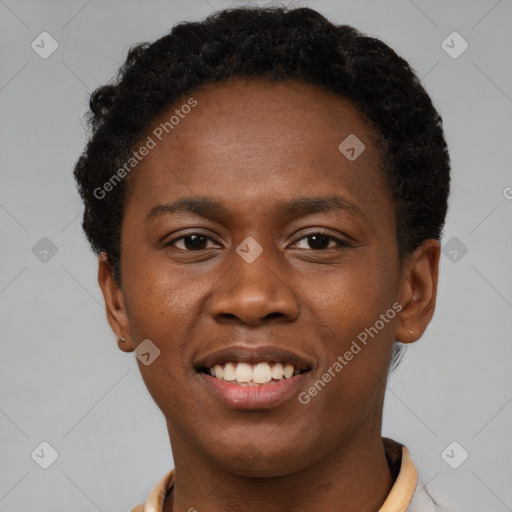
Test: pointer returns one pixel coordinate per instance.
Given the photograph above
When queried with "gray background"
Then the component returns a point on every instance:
(64, 381)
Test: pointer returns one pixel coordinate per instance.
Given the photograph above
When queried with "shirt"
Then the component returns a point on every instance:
(402, 497)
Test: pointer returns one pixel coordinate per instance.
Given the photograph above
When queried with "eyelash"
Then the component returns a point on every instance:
(341, 243)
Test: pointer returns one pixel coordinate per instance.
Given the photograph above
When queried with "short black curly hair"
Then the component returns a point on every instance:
(278, 44)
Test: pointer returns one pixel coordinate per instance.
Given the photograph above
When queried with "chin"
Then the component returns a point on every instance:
(261, 461)
(261, 469)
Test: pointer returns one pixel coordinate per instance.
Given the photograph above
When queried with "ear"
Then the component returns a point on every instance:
(418, 291)
(115, 306)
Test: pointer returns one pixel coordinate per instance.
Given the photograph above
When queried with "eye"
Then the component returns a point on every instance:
(320, 241)
(317, 241)
(191, 242)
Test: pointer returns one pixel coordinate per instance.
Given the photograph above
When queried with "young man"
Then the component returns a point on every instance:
(266, 192)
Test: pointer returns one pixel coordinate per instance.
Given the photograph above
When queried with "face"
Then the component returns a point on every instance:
(254, 250)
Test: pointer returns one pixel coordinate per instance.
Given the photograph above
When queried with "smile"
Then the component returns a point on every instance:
(253, 377)
(259, 374)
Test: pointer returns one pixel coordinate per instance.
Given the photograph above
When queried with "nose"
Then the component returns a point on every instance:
(252, 293)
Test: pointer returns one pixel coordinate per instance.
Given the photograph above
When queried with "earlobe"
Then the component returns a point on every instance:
(418, 291)
(115, 307)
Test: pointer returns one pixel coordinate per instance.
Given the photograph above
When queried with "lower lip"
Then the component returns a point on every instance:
(253, 397)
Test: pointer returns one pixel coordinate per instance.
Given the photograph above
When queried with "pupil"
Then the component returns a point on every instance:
(318, 241)
(195, 242)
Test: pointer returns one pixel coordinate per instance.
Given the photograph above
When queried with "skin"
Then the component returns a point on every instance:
(250, 145)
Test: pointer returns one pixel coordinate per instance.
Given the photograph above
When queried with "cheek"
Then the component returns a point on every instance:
(356, 350)
(162, 307)
(354, 312)
(165, 313)
(351, 298)
(160, 301)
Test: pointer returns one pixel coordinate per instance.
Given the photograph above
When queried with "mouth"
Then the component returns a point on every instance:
(253, 378)
(259, 374)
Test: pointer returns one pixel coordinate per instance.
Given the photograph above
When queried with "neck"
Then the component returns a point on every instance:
(353, 477)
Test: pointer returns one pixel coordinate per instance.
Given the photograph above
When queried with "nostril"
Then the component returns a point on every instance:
(274, 315)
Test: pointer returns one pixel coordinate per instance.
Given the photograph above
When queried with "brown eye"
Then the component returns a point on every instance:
(321, 241)
(318, 242)
(191, 242)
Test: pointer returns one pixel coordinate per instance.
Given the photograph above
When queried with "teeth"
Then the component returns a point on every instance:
(243, 373)
(253, 374)
(218, 371)
(262, 373)
(229, 371)
(277, 371)
(288, 371)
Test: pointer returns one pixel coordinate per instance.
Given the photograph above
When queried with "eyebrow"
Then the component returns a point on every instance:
(210, 208)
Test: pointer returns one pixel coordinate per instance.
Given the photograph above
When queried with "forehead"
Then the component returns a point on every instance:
(256, 111)
(258, 138)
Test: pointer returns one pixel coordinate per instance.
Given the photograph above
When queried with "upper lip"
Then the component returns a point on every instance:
(253, 355)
